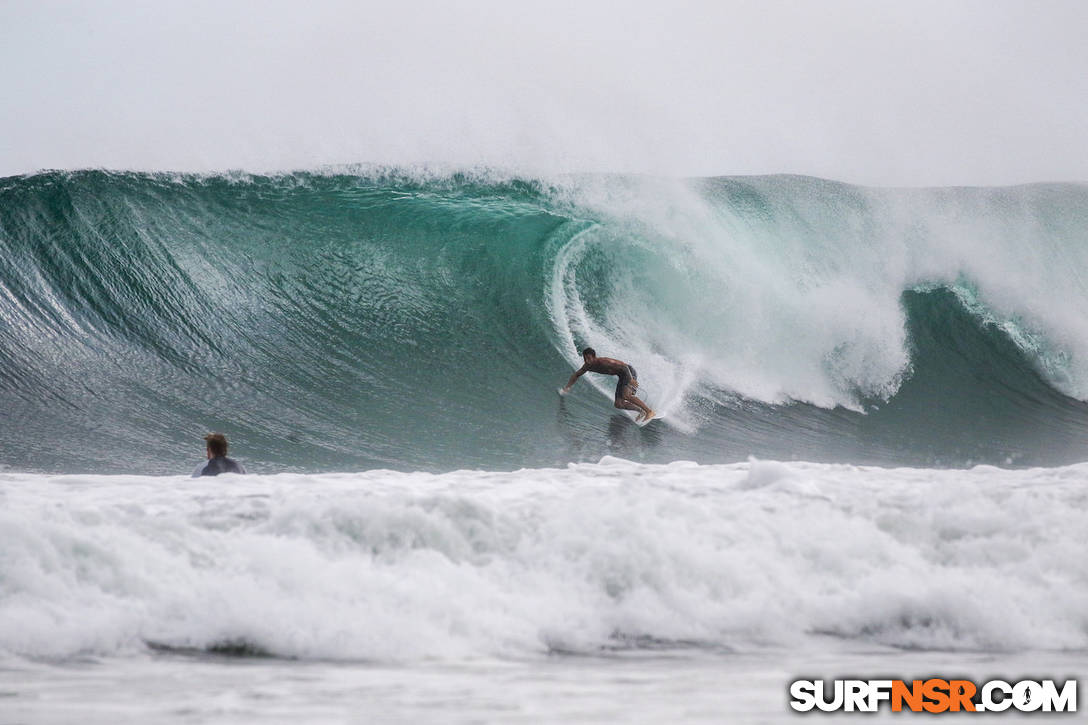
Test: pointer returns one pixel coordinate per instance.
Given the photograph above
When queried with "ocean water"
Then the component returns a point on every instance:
(870, 463)
(344, 322)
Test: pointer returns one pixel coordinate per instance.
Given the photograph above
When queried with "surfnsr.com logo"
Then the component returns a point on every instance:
(934, 695)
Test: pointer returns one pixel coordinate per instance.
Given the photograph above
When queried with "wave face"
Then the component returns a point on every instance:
(386, 566)
(423, 321)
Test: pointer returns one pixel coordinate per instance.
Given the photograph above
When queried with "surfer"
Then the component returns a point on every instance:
(625, 388)
(217, 458)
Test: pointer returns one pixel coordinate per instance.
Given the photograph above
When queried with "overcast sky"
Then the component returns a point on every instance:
(916, 92)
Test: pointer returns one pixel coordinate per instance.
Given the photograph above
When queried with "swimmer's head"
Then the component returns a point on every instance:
(217, 444)
(588, 354)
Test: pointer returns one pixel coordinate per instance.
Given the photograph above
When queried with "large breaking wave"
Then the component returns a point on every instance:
(422, 321)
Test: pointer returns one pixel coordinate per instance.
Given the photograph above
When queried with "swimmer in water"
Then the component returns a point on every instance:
(217, 458)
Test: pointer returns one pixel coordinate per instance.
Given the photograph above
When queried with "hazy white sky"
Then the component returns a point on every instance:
(870, 91)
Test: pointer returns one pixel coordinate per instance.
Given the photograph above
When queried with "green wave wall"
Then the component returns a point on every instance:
(345, 321)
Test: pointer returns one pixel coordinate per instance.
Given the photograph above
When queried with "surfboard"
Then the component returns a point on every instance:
(644, 423)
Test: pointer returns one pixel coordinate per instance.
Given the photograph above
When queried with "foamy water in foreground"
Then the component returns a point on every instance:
(666, 687)
(388, 588)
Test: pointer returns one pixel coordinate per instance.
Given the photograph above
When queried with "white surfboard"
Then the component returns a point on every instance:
(644, 423)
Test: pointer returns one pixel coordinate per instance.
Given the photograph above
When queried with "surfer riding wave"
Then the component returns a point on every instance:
(625, 387)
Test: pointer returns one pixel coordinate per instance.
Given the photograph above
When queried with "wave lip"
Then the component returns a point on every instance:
(384, 566)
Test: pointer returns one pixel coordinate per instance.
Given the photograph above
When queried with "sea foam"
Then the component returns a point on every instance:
(384, 566)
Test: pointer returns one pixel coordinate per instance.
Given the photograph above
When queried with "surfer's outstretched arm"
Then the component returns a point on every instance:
(574, 378)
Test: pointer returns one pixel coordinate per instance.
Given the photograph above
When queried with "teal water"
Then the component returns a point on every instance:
(359, 319)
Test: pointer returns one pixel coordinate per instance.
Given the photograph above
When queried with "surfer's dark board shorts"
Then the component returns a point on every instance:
(625, 379)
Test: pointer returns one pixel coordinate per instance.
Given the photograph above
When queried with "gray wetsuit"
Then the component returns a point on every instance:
(217, 465)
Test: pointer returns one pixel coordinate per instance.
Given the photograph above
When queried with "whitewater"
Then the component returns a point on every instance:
(736, 571)
(871, 463)
(389, 567)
